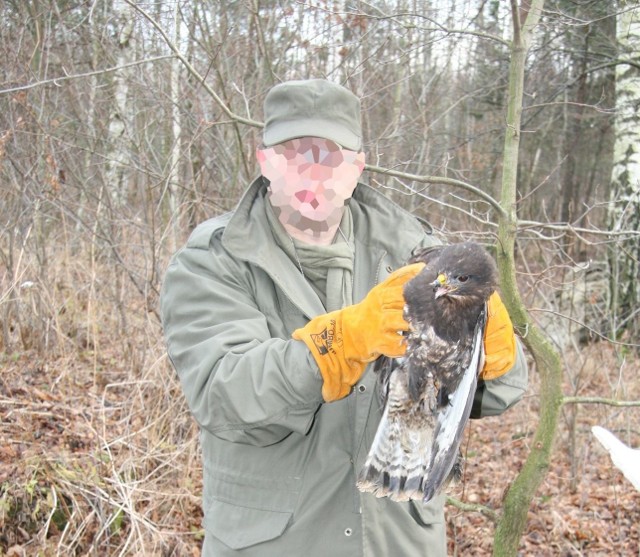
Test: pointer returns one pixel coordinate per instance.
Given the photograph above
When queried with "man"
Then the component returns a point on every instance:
(272, 314)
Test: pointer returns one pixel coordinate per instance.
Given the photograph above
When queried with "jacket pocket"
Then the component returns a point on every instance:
(242, 510)
(240, 527)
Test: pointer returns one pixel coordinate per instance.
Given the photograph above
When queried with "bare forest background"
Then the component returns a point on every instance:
(124, 124)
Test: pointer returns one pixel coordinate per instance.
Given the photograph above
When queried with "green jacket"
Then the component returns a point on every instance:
(280, 465)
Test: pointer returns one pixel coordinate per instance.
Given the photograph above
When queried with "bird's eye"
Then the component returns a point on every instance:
(463, 278)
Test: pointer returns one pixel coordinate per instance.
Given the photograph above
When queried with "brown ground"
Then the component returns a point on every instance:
(585, 506)
(99, 460)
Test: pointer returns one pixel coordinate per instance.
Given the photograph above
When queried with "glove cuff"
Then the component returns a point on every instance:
(322, 336)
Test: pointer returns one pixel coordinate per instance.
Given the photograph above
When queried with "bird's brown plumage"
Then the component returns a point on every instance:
(428, 393)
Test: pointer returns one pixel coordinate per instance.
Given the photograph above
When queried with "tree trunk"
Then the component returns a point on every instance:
(625, 205)
(518, 499)
(173, 178)
(120, 119)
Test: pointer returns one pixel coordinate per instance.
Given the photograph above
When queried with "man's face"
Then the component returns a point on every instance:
(311, 180)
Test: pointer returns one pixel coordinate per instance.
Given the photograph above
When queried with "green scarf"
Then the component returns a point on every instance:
(328, 269)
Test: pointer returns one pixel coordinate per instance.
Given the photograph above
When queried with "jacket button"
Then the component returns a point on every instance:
(362, 388)
(389, 268)
(348, 532)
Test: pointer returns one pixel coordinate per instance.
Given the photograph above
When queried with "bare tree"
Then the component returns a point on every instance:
(513, 518)
(121, 117)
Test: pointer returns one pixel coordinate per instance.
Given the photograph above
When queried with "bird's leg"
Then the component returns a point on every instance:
(431, 394)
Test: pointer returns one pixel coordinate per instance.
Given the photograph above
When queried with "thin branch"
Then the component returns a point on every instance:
(436, 26)
(599, 400)
(596, 333)
(408, 191)
(438, 180)
(57, 80)
(567, 227)
(515, 22)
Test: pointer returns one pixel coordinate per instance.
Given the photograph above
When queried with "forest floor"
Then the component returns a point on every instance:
(584, 506)
(96, 459)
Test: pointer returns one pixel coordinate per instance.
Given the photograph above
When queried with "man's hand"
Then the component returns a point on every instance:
(343, 341)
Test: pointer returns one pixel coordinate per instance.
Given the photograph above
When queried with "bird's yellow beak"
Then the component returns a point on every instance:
(441, 286)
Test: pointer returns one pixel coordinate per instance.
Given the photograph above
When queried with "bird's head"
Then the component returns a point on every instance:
(465, 274)
(445, 285)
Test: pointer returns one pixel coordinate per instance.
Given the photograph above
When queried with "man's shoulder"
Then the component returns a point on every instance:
(202, 234)
(384, 214)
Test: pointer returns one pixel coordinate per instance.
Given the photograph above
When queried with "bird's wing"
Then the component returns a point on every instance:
(426, 255)
(626, 459)
(452, 418)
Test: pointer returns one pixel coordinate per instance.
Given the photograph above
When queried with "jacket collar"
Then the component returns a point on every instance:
(381, 228)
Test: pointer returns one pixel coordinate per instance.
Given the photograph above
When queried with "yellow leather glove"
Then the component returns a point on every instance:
(499, 340)
(343, 341)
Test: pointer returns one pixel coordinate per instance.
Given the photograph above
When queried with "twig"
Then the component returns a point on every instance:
(577, 322)
(568, 227)
(57, 80)
(397, 17)
(473, 507)
(599, 400)
(438, 180)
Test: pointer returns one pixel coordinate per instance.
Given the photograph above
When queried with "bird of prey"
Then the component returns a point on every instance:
(428, 394)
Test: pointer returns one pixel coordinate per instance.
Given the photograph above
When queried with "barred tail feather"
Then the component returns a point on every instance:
(393, 467)
(400, 454)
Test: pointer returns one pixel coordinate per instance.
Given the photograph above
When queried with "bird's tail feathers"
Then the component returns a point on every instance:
(397, 462)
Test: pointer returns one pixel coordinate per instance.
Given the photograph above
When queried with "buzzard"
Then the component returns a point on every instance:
(428, 394)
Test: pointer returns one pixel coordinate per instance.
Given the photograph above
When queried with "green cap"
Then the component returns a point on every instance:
(312, 108)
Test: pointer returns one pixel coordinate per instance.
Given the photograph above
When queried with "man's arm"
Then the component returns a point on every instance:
(240, 383)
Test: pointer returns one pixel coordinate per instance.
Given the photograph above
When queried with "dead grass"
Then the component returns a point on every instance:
(98, 452)
(96, 468)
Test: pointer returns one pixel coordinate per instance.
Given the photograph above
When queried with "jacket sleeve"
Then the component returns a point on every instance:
(241, 384)
(497, 395)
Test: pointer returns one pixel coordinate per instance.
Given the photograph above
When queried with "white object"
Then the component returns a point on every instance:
(625, 458)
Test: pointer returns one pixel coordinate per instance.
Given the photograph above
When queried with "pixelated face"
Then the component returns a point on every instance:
(311, 180)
